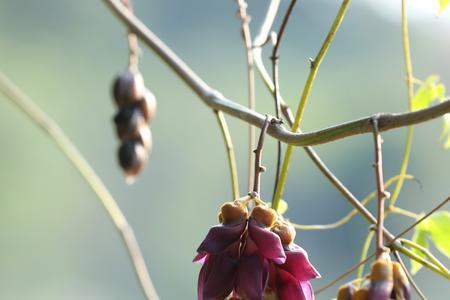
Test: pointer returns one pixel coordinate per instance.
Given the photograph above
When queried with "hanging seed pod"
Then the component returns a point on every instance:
(402, 289)
(286, 232)
(148, 106)
(128, 87)
(132, 157)
(232, 212)
(346, 292)
(265, 216)
(128, 121)
(381, 280)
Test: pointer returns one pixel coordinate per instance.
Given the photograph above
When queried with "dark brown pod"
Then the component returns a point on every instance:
(265, 216)
(232, 212)
(128, 122)
(346, 292)
(128, 87)
(132, 158)
(148, 106)
(286, 232)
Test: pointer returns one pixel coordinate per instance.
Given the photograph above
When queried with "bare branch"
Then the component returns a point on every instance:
(246, 36)
(381, 193)
(258, 156)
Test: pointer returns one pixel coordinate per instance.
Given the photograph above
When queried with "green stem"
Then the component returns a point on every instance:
(315, 64)
(230, 153)
(40, 118)
(410, 88)
(426, 252)
(364, 252)
(423, 261)
(352, 213)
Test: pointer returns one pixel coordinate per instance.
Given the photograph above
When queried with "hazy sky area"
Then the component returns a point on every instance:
(57, 242)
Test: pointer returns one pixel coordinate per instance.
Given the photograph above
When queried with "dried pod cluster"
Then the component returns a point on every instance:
(136, 110)
(387, 281)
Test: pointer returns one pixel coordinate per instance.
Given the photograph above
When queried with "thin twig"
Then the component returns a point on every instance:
(258, 156)
(215, 100)
(230, 153)
(275, 75)
(343, 275)
(446, 200)
(410, 88)
(315, 64)
(408, 275)
(133, 46)
(352, 213)
(40, 118)
(378, 166)
(246, 36)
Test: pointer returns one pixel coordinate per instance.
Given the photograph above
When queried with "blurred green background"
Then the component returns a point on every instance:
(57, 241)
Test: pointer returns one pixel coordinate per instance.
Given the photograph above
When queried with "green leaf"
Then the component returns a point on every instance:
(419, 238)
(445, 136)
(443, 4)
(429, 91)
(438, 228)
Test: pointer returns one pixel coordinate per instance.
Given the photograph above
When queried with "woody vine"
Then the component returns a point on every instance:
(251, 254)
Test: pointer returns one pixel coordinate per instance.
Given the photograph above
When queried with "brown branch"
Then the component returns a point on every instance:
(133, 46)
(276, 84)
(258, 155)
(215, 100)
(246, 36)
(378, 165)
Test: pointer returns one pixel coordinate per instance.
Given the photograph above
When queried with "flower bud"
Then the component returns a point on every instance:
(128, 87)
(265, 216)
(402, 289)
(286, 232)
(132, 158)
(346, 292)
(381, 280)
(128, 122)
(148, 106)
(232, 212)
(361, 294)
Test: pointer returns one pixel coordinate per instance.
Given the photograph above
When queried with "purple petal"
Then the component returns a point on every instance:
(289, 288)
(216, 278)
(297, 263)
(200, 258)
(220, 237)
(380, 290)
(252, 276)
(268, 243)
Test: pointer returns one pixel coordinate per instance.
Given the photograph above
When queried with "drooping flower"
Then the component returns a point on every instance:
(236, 255)
(291, 280)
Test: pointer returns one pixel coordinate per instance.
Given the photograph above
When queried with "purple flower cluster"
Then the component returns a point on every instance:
(245, 259)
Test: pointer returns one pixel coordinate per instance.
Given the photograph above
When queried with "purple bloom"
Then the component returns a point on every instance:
(290, 281)
(236, 259)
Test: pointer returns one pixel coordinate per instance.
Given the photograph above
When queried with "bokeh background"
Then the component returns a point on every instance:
(56, 241)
